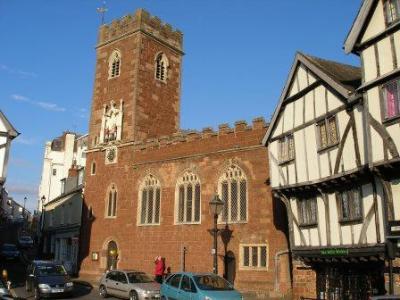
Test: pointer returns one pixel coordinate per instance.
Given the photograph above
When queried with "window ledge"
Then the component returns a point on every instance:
(350, 221)
(257, 269)
(309, 225)
(327, 148)
(232, 222)
(188, 223)
(148, 225)
(110, 217)
(391, 121)
(286, 162)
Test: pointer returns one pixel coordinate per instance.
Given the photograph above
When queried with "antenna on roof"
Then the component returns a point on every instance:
(102, 10)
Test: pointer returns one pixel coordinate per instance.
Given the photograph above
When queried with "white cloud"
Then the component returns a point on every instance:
(44, 105)
(21, 73)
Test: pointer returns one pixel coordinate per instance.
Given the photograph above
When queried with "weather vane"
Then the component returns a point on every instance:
(102, 10)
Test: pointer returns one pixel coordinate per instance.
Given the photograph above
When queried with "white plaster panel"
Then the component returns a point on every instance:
(357, 232)
(292, 173)
(314, 237)
(279, 125)
(306, 235)
(395, 184)
(333, 153)
(273, 163)
(333, 101)
(379, 195)
(374, 103)
(309, 103)
(311, 78)
(289, 113)
(311, 144)
(296, 231)
(361, 132)
(321, 220)
(301, 159)
(346, 234)
(394, 131)
(369, 61)
(334, 222)
(377, 146)
(397, 46)
(376, 24)
(293, 90)
(302, 78)
(368, 202)
(385, 56)
(320, 102)
(298, 108)
(324, 163)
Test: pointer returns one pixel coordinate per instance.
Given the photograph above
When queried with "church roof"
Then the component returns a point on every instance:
(10, 129)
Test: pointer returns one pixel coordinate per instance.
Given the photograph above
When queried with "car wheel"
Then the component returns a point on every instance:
(133, 295)
(103, 291)
(37, 294)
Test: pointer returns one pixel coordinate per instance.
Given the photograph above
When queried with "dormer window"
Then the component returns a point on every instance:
(392, 11)
(161, 67)
(114, 64)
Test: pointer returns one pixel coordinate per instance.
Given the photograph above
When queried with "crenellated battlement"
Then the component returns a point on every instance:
(140, 21)
(193, 135)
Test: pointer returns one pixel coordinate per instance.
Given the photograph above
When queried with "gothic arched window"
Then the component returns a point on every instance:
(161, 67)
(233, 191)
(114, 64)
(187, 203)
(149, 203)
(111, 202)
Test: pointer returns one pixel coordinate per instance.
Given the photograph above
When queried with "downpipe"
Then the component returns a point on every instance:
(276, 268)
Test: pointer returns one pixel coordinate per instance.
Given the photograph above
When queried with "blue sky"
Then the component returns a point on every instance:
(237, 57)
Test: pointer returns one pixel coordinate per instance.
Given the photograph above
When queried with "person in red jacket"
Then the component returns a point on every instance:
(159, 269)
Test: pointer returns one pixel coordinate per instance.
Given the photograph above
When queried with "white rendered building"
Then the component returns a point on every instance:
(59, 156)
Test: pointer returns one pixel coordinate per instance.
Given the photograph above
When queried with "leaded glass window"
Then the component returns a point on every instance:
(308, 212)
(286, 148)
(391, 95)
(350, 204)
(254, 256)
(392, 11)
(114, 64)
(327, 132)
(161, 67)
(188, 199)
(150, 201)
(233, 192)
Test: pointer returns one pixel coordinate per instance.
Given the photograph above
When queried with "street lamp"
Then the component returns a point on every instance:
(23, 212)
(216, 205)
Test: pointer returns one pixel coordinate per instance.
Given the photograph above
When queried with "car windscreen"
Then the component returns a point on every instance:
(26, 238)
(50, 270)
(9, 247)
(136, 277)
(212, 283)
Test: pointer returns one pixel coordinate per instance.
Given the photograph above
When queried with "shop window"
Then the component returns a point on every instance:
(233, 192)
(254, 256)
(188, 199)
(286, 148)
(149, 205)
(307, 211)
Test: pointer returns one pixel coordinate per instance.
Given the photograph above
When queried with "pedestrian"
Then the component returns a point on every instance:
(167, 273)
(159, 269)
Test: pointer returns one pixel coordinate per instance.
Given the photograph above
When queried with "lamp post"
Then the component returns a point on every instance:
(216, 205)
(23, 212)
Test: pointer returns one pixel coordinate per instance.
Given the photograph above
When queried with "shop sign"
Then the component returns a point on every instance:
(335, 252)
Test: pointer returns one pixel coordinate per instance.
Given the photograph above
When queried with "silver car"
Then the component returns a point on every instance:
(129, 284)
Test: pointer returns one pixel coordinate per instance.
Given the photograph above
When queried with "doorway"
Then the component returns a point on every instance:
(112, 255)
(230, 267)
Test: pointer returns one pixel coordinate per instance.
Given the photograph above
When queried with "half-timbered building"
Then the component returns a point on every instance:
(334, 144)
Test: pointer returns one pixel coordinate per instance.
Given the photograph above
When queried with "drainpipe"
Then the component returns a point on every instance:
(277, 255)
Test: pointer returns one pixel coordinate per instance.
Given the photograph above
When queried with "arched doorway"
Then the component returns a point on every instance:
(230, 267)
(112, 255)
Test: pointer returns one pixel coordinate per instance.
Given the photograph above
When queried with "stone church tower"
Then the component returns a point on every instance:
(138, 80)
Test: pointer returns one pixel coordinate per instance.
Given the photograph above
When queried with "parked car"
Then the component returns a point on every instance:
(25, 241)
(129, 284)
(9, 251)
(198, 286)
(47, 279)
(4, 292)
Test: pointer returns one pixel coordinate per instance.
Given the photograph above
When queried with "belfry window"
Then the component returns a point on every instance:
(114, 64)
(161, 67)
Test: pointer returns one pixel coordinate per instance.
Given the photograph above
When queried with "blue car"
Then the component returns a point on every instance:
(198, 286)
